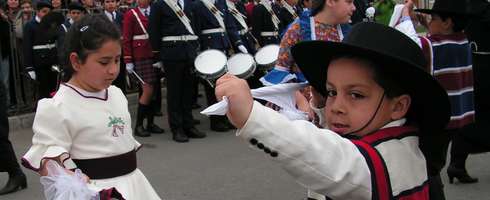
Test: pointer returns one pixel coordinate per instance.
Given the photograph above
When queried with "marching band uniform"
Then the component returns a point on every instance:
(217, 30)
(215, 33)
(102, 147)
(237, 10)
(137, 51)
(40, 54)
(239, 17)
(172, 37)
(287, 14)
(265, 24)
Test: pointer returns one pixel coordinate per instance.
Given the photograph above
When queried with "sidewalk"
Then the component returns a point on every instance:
(24, 121)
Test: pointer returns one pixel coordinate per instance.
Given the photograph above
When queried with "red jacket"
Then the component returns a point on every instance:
(138, 48)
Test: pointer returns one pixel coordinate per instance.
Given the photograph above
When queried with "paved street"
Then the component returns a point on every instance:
(222, 167)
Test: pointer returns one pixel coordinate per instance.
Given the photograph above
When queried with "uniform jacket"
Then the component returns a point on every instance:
(164, 22)
(135, 49)
(41, 59)
(335, 166)
(247, 39)
(206, 20)
(286, 18)
(262, 22)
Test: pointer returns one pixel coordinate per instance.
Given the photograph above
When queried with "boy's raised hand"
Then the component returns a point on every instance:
(240, 99)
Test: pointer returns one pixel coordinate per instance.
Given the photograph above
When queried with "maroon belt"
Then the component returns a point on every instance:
(108, 167)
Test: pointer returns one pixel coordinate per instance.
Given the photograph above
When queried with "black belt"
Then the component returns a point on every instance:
(108, 167)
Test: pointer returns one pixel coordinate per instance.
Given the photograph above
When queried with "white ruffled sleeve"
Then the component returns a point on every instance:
(51, 136)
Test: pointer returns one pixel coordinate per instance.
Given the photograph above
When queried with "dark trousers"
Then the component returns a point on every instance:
(8, 161)
(120, 81)
(156, 99)
(481, 72)
(179, 93)
(434, 146)
(47, 82)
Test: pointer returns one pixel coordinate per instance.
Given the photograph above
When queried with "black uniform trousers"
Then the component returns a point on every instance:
(8, 160)
(47, 80)
(179, 93)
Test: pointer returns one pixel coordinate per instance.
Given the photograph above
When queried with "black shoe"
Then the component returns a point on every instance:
(219, 127)
(158, 113)
(460, 174)
(194, 133)
(141, 132)
(153, 128)
(179, 136)
(196, 121)
(229, 125)
(196, 106)
(15, 183)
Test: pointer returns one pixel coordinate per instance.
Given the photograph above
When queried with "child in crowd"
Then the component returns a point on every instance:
(449, 54)
(374, 109)
(86, 124)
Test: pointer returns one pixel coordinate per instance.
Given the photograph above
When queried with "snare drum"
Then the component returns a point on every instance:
(210, 64)
(241, 65)
(266, 56)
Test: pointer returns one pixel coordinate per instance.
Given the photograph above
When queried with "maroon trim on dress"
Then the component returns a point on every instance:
(388, 133)
(456, 37)
(28, 164)
(90, 97)
(110, 194)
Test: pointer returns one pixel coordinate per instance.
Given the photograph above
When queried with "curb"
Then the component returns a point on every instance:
(24, 121)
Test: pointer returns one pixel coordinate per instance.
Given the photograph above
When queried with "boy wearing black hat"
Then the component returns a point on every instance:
(449, 54)
(373, 108)
(75, 13)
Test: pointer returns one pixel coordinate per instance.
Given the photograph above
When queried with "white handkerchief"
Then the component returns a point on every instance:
(219, 108)
(282, 95)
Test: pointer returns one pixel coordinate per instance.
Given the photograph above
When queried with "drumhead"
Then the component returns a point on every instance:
(210, 62)
(267, 54)
(239, 64)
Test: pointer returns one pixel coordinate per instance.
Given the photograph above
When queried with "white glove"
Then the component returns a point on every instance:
(32, 74)
(130, 67)
(242, 48)
(157, 65)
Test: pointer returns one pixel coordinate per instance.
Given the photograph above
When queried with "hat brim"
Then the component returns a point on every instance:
(429, 100)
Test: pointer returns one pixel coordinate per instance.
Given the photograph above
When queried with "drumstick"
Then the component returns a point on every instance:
(209, 82)
(138, 77)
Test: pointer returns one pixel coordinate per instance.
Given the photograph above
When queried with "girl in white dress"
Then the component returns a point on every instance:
(86, 124)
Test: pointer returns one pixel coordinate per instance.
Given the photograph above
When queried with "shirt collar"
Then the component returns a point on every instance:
(399, 122)
(38, 20)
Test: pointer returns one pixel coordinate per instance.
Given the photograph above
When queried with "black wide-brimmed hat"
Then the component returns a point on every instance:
(44, 4)
(76, 6)
(451, 7)
(392, 51)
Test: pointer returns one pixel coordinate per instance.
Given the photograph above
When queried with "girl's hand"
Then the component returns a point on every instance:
(240, 99)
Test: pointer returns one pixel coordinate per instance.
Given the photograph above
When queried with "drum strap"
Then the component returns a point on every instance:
(275, 19)
(180, 14)
(139, 20)
(216, 13)
(237, 14)
(290, 10)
